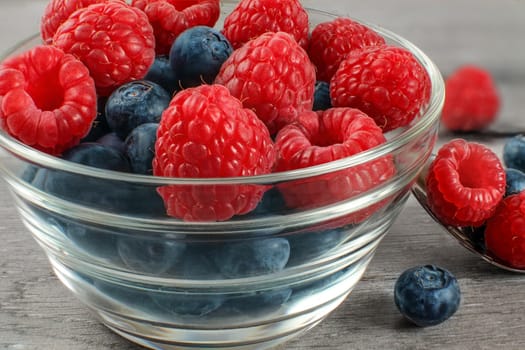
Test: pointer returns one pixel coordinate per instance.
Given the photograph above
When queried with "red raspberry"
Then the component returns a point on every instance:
(385, 82)
(206, 133)
(472, 100)
(332, 41)
(169, 18)
(56, 12)
(272, 75)
(465, 183)
(251, 18)
(47, 99)
(327, 136)
(114, 40)
(505, 231)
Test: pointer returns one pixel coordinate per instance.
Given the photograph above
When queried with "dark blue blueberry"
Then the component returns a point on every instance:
(427, 295)
(100, 126)
(140, 148)
(149, 255)
(161, 73)
(197, 55)
(322, 99)
(98, 156)
(95, 242)
(259, 301)
(254, 257)
(515, 181)
(271, 203)
(132, 297)
(514, 153)
(320, 285)
(307, 246)
(188, 304)
(135, 103)
(112, 140)
(196, 263)
(29, 173)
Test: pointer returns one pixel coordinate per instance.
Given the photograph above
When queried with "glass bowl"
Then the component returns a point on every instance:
(253, 281)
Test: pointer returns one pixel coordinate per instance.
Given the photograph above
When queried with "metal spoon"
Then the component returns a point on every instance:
(468, 237)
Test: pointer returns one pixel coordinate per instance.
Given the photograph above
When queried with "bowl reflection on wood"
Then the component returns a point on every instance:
(253, 281)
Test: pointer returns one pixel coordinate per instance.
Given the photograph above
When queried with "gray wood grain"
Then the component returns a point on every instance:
(37, 312)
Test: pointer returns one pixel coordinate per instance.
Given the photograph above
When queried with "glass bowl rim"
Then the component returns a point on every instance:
(426, 120)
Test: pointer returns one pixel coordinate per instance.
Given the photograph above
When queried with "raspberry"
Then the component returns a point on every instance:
(385, 82)
(472, 100)
(271, 75)
(47, 99)
(251, 18)
(170, 18)
(206, 133)
(505, 231)
(321, 137)
(465, 183)
(330, 42)
(56, 12)
(114, 40)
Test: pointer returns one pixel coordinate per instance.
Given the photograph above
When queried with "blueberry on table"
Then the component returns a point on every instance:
(251, 258)
(140, 148)
(161, 73)
(515, 181)
(149, 255)
(135, 103)
(197, 55)
(427, 295)
(514, 153)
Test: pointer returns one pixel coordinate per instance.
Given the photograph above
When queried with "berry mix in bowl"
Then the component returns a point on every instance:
(167, 157)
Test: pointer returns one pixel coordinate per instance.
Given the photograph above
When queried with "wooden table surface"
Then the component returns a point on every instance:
(37, 312)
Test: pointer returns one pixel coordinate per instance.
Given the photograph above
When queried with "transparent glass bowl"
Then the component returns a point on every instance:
(254, 281)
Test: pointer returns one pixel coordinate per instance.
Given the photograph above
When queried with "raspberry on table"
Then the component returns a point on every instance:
(317, 138)
(57, 12)
(332, 41)
(386, 82)
(273, 76)
(505, 231)
(47, 99)
(472, 100)
(170, 18)
(114, 40)
(251, 18)
(465, 183)
(207, 133)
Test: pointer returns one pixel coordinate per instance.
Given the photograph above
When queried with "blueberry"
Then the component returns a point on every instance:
(100, 126)
(112, 140)
(515, 181)
(249, 258)
(140, 148)
(188, 304)
(196, 263)
(272, 202)
(197, 55)
(149, 255)
(95, 242)
(266, 300)
(427, 295)
(161, 73)
(98, 156)
(322, 99)
(514, 153)
(306, 246)
(135, 103)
